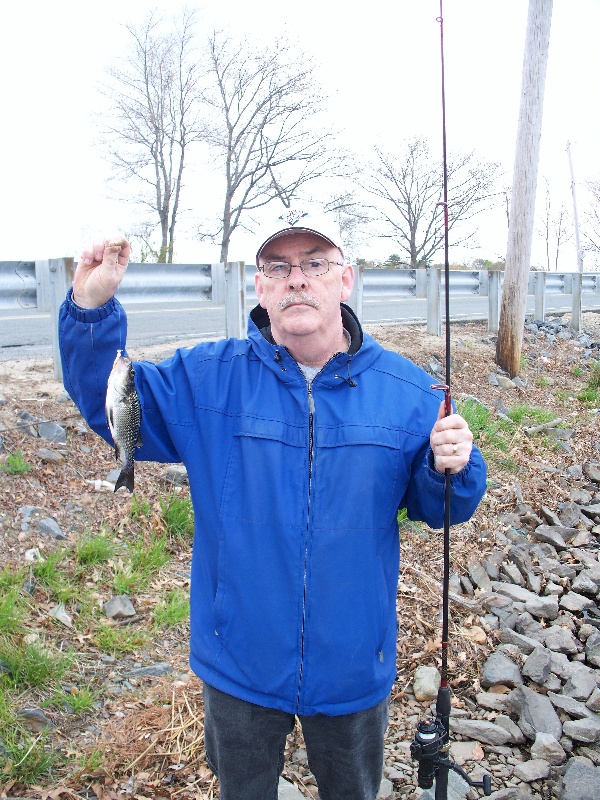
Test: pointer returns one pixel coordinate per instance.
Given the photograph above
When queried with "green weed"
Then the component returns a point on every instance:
(115, 640)
(139, 508)
(94, 549)
(172, 609)
(78, 701)
(31, 664)
(528, 415)
(16, 464)
(178, 515)
(12, 610)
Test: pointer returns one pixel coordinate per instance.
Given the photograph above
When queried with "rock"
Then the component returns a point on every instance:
(581, 782)
(426, 683)
(513, 730)
(479, 576)
(24, 425)
(500, 669)
(592, 649)
(561, 640)
(530, 627)
(575, 602)
(591, 511)
(50, 456)
(549, 749)
(524, 643)
(536, 713)
(537, 665)
(543, 607)
(386, 790)
(574, 708)
(152, 671)
(176, 474)
(52, 432)
(119, 607)
(593, 702)
(34, 720)
(550, 534)
(515, 593)
(582, 730)
(591, 470)
(492, 701)
(534, 770)
(505, 383)
(460, 752)
(581, 684)
(287, 791)
(51, 527)
(480, 730)
(584, 585)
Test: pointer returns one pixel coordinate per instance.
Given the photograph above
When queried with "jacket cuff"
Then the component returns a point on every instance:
(88, 314)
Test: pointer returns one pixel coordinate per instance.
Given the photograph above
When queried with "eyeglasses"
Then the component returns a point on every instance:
(311, 268)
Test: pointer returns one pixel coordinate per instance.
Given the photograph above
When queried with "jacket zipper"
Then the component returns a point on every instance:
(311, 412)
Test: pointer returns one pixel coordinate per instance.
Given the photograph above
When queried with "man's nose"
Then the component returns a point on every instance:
(296, 278)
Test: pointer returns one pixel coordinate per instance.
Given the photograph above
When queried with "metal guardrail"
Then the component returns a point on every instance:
(43, 285)
(23, 284)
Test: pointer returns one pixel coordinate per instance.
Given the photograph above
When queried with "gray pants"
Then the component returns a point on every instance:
(245, 744)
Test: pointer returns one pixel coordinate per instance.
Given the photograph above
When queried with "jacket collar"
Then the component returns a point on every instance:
(342, 368)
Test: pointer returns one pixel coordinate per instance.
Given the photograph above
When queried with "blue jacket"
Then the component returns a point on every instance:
(295, 494)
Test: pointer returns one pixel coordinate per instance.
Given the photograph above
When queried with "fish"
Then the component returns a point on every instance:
(123, 417)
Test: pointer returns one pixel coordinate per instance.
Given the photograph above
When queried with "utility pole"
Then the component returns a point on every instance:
(520, 231)
(576, 318)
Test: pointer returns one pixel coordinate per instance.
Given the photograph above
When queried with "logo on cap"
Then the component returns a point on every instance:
(293, 216)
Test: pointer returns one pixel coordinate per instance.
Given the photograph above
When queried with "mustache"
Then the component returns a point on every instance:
(298, 297)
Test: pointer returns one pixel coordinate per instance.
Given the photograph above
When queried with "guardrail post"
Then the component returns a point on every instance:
(217, 277)
(420, 283)
(434, 322)
(494, 301)
(43, 288)
(540, 296)
(235, 299)
(60, 274)
(576, 316)
(355, 301)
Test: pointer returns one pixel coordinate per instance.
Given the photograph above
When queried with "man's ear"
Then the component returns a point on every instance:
(258, 286)
(347, 281)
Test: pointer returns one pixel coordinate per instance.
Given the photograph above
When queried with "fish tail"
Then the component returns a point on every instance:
(126, 477)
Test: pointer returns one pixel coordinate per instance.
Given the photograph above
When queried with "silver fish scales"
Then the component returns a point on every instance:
(123, 416)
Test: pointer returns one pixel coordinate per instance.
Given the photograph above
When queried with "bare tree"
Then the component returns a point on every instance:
(263, 127)
(554, 230)
(155, 93)
(592, 232)
(520, 232)
(409, 189)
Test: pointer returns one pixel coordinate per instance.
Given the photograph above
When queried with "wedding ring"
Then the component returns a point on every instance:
(454, 449)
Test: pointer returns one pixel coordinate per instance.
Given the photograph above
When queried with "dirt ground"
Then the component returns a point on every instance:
(164, 717)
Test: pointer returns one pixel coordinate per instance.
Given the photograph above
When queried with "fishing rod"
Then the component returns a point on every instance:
(431, 745)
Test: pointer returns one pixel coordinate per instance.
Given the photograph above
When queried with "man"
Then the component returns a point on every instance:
(301, 443)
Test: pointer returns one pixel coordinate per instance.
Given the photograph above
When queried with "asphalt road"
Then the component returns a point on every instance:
(26, 334)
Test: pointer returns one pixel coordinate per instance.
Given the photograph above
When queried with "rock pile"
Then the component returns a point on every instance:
(538, 592)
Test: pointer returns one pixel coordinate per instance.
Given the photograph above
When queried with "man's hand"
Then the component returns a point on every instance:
(100, 270)
(451, 442)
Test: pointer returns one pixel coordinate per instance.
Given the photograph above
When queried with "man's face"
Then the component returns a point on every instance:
(297, 305)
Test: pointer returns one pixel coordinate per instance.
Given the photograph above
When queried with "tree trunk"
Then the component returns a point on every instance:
(520, 232)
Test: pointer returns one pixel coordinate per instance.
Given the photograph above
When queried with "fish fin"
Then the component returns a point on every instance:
(126, 478)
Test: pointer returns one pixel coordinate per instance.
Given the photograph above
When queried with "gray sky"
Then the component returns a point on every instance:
(380, 67)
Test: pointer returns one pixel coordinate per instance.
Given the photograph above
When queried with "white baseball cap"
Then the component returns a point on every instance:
(301, 220)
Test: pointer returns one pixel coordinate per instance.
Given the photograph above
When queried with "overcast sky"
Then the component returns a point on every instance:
(379, 66)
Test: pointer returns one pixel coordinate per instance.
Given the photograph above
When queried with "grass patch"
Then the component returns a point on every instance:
(178, 516)
(172, 609)
(94, 549)
(114, 641)
(78, 701)
(16, 464)
(24, 757)
(139, 508)
(31, 664)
